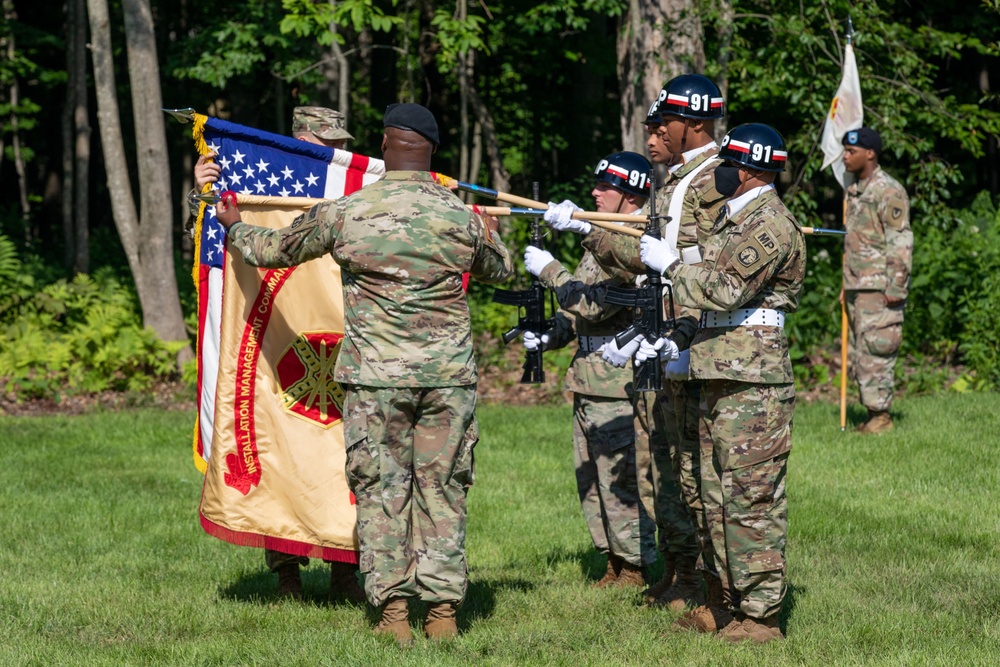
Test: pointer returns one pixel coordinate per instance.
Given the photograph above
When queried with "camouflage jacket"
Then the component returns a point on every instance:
(701, 207)
(757, 259)
(878, 250)
(402, 243)
(581, 297)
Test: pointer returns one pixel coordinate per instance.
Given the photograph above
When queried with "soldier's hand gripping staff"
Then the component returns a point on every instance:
(531, 315)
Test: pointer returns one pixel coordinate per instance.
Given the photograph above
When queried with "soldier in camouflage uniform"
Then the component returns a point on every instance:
(751, 275)
(326, 127)
(603, 433)
(878, 253)
(406, 363)
(680, 125)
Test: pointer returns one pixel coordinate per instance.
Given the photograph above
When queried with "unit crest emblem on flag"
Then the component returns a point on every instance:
(305, 374)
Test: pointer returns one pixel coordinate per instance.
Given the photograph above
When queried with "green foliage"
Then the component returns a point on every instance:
(76, 337)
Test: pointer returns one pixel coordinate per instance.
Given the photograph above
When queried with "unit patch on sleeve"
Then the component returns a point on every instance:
(750, 257)
(766, 242)
(896, 208)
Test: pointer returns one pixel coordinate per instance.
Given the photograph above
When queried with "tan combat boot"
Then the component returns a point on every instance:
(650, 595)
(685, 593)
(630, 575)
(395, 622)
(711, 616)
(879, 421)
(289, 581)
(611, 575)
(440, 623)
(344, 583)
(757, 630)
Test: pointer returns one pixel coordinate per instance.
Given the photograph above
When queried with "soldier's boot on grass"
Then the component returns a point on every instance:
(630, 575)
(879, 421)
(611, 575)
(685, 593)
(395, 622)
(344, 583)
(289, 581)
(651, 594)
(711, 616)
(440, 623)
(758, 630)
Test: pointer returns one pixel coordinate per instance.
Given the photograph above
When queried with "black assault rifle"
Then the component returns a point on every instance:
(531, 312)
(646, 302)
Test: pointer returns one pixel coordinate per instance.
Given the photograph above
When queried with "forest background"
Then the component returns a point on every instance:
(95, 266)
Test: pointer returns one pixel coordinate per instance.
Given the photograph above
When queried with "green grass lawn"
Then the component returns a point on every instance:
(893, 554)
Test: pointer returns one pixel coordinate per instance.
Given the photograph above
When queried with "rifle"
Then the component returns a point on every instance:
(646, 302)
(530, 302)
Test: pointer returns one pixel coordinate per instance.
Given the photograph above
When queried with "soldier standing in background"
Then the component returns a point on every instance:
(603, 432)
(406, 364)
(751, 275)
(878, 254)
(325, 127)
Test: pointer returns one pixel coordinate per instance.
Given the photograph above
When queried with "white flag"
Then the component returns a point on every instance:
(846, 113)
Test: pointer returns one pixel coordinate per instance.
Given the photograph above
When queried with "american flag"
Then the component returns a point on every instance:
(256, 163)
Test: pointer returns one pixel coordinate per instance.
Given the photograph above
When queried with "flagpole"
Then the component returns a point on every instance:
(843, 294)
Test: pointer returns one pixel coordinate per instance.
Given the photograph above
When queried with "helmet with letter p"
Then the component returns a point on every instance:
(691, 96)
(626, 171)
(755, 145)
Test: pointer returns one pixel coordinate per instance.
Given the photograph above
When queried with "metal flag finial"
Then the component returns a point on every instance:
(185, 115)
(850, 29)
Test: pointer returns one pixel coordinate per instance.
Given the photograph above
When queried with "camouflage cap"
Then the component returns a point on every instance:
(322, 122)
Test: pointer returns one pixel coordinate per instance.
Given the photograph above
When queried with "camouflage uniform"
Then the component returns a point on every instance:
(603, 433)
(406, 365)
(667, 425)
(878, 253)
(756, 259)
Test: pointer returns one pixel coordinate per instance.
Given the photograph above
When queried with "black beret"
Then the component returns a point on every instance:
(864, 137)
(409, 116)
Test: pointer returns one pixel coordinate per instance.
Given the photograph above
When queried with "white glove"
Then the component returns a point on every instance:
(533, 341)
(619, 358)
(536, 259)
(560, 217)
(680, 368)
(656, 253)
(664, 349)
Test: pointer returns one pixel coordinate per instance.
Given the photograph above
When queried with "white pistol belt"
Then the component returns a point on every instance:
(590, 344)
(744, 317)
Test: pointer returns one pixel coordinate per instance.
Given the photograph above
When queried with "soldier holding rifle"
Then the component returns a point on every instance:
(603, 432)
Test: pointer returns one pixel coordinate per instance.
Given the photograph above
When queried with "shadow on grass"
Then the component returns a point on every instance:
(261, 587)
(593, 564)
(792, 594)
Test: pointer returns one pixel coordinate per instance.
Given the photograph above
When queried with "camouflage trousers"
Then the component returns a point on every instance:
(746, 435)
(409, 464)
(875, 334)
(659, 490)
(604, 455)
(680, 405)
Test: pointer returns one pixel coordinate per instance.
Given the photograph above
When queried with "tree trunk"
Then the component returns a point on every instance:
(725, 34)
(658, 40)
(13, 97)
(147, 240)
(81, 128)
(498, 174)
